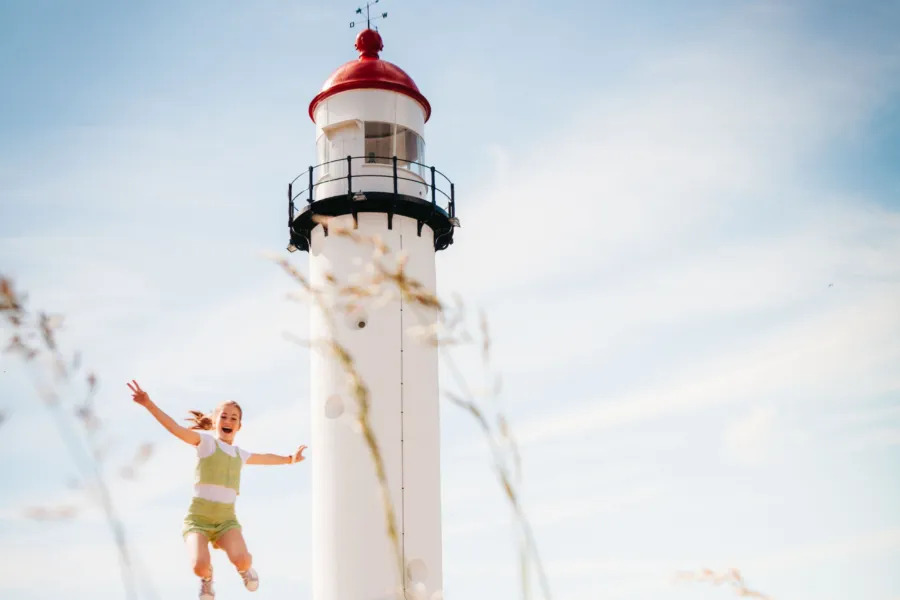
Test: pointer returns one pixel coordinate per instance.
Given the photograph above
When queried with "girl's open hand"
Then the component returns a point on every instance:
(298, 455)
(138, 395)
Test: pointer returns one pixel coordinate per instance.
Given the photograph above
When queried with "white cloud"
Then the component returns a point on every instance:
(865, 545)
(747, 439)
(862, 425)
(240, 337)
(686, 296)
(570, 508)
(878, 438)
(699, 142)
(659, 572)
(842, 343)
(684, 204)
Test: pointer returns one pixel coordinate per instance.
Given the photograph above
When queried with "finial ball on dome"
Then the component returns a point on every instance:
(369, 43)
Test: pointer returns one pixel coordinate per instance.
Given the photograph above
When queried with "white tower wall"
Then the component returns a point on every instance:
(353, 558)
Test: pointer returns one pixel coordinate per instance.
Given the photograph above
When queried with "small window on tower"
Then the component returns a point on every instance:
(379, 142)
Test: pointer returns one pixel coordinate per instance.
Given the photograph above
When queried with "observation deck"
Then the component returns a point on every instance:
(372, 184)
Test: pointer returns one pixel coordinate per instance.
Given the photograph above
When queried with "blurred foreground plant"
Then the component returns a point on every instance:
(33, 337)
(731, 577)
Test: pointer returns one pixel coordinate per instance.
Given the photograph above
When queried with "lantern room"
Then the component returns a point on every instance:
(370, 152)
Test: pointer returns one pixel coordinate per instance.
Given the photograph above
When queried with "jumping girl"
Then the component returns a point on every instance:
(211, 518)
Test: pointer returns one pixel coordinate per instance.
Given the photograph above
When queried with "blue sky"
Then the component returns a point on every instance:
(658, 196)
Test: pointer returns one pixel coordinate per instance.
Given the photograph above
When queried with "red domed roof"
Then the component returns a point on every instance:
(370, 72)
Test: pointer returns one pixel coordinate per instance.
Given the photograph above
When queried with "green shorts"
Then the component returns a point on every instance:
(212, 519)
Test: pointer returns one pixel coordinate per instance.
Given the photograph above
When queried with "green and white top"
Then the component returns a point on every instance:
(217, 476)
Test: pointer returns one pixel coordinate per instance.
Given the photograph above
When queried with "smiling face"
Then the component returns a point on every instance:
(228, 421)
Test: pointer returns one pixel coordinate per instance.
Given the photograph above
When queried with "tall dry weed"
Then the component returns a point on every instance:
(33, 337)
(731, 578)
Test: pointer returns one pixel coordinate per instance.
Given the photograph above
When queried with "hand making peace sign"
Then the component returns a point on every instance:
(139, 396)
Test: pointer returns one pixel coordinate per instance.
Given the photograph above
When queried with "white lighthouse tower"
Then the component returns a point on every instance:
(371, 175)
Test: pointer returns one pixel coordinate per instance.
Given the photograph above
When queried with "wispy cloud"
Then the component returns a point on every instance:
(218, 345)
(692, 152)
(866, 545)
(659, 572)
(845, 343)
(566, 509)
(746, 439)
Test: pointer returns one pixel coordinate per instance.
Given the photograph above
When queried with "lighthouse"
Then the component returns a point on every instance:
(371, 175)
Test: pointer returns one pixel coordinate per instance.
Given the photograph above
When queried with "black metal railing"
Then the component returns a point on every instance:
(309, 191)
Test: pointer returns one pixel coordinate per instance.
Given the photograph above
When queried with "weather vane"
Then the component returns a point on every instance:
(369, 18)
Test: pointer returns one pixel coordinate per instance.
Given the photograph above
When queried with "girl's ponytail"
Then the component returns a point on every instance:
(206, 422)
(201, 421)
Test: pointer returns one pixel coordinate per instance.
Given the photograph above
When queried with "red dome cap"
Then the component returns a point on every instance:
(370, 72)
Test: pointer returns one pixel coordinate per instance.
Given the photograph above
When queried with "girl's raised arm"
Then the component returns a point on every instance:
(276, 459)
(183, 433)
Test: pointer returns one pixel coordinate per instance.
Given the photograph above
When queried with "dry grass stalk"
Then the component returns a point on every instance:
(731, 577)
(360, 393)
(34, 338)
(508, 467)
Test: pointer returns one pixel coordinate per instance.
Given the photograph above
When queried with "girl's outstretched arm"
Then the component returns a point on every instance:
(183, 433)
(276, 459)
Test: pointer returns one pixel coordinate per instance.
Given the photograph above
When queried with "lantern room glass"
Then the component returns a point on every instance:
(385, 140)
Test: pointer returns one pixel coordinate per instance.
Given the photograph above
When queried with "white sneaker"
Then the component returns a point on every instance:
(251, 580)
(206, 588)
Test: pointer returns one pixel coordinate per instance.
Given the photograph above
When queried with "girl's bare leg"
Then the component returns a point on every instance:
(232, 542)
(198, 551)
